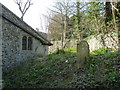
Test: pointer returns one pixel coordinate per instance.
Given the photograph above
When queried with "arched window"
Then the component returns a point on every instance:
(29, 43)
(24, 43)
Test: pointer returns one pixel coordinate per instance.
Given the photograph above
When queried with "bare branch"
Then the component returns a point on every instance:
(24, 8)
(115, 8)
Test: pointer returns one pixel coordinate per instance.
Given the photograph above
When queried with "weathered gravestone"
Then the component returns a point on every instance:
(82, 53)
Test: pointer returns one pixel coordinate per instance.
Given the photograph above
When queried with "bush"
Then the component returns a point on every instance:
(99, 51)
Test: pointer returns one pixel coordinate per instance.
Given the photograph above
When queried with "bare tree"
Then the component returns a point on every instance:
(23, 7)
(62, 10)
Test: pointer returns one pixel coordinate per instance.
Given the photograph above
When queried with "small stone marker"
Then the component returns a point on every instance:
(82, 53)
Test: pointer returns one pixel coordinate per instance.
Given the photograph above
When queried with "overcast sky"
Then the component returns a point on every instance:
(34, 13)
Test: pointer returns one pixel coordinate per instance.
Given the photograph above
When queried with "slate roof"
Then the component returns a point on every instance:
(15, 20)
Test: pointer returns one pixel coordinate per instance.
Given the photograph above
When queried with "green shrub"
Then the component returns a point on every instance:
(70, 50)
(99, 51)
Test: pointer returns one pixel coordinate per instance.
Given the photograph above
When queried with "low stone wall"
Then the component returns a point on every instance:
(95, 42)
(57, 45)
(103, 41)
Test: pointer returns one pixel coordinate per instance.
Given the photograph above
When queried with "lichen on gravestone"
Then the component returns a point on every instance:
(82, 53)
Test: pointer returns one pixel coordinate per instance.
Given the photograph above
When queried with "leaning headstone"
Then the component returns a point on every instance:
(82, 53)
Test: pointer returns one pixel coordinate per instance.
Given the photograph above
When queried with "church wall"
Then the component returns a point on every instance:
(12, 53)
(0, 49)
(11, 36)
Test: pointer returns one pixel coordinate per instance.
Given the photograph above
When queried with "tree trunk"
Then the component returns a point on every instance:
(78, 33)
(118, 22)
(108, 13)
(116, 12)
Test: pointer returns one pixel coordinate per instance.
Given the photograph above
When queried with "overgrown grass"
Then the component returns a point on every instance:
(59, 71)
(101, 66)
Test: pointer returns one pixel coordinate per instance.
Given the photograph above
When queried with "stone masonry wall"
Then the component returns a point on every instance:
(12, 46)
(95, 42)
(18, 21)
(110, 41)
(11, 39)
(0, 49)
(57, 45)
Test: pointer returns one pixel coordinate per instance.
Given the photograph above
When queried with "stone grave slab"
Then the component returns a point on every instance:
(82, 53)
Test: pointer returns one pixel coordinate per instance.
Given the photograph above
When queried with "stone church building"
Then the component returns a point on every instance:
(18, 41)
